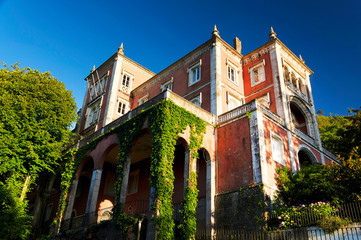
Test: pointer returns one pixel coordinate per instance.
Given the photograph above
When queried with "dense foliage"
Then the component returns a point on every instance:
(14, 220)
(36, 112)
(311, 184)
(341, 134)
(334, 182)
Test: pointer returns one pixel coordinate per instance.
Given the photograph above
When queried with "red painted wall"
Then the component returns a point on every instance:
(180, 83)
(234, 156)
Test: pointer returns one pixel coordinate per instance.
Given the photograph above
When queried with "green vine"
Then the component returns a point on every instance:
(188, 224)
(165, 121)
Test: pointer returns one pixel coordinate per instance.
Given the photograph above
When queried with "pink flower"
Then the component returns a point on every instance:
(279, 217)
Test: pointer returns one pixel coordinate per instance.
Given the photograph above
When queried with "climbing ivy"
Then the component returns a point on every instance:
(165, 121)
(188, 224)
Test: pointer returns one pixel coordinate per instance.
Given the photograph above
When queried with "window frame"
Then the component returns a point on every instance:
(165, 85)
(251, 70)
(125, 88)
(275, 137)
(190, 71)
(230, 97)
(232, 66)
(125, 109)
(197, 98)
(143, 99)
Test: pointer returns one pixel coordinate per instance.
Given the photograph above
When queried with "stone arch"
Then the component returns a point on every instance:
(301, 116)
(84, 176)
(305, 156)
(85, 164)
(109, 155)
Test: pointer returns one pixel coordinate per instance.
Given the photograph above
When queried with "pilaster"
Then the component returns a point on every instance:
(113, 89)
(93, 197)
(71, 200)
(210, 192)
(216, 98)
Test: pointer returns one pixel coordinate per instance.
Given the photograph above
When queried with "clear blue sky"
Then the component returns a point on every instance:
(68, 37)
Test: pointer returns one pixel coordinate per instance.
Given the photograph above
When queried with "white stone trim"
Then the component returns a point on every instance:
(114, 83)
(278, 82)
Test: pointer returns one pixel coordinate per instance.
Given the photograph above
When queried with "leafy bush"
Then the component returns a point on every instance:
(14, 221)
(300, 216)
(332, 223)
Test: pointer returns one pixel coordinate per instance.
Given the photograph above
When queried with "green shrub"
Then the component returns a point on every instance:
(332, 223)
(300, 216)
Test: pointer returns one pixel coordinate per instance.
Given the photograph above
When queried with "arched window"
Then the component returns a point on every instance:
(298, 118)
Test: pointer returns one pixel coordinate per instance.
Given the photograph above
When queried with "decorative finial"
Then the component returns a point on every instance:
(215, 31)
(302, 59)
(272, 35)
(121, 49)
(93, 69)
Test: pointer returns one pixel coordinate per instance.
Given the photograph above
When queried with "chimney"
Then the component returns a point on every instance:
(237, 45)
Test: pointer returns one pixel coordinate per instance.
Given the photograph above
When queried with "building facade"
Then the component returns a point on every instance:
(260, 115)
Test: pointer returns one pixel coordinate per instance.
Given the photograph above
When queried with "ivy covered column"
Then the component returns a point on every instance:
(92, 197)
(188, 224)
(124, 186)
(71, 198)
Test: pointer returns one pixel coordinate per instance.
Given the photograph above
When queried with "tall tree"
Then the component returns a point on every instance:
(36, 112)
(341, 134)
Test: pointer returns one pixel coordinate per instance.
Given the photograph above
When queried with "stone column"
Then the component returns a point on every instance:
(210, 192)
(92, 197)
(186, 168)
(71, 199)
(124, 189)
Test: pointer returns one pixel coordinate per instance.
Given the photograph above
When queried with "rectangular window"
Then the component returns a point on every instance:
(277, 149)
(167, 85)
(232, 71)
(197, 100)
(233, 102)
(133, 182)
(143, 99)
(122, 108)
(126, 82)
(257, 74)
(194, 73)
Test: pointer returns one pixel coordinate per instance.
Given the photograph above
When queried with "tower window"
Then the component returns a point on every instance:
(232, 72)
(257, 74)
(121, 108)
(194, 73)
